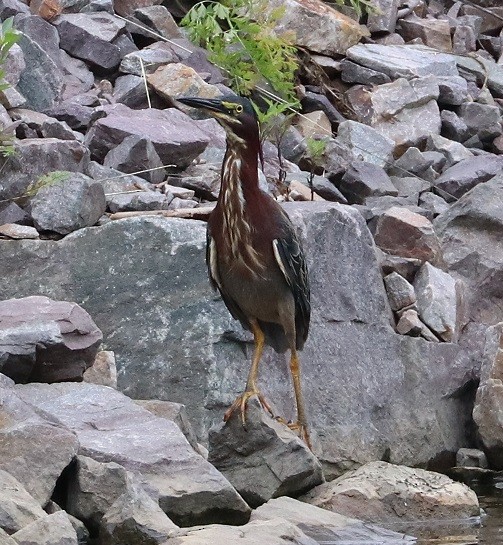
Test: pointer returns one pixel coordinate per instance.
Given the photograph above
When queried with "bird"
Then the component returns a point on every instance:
(253, 254)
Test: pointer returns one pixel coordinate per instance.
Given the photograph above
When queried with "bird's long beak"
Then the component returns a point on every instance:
(208, 104)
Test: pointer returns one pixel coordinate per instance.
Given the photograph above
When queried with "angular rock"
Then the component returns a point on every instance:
(159, 19)
(407, 234)
(325, 526)
(53, 529)
(363, 180)
(486, 71)
(410, 187)
(434, 33)
(150, 58)
(383, 19)
(103, 370)
(435, 204)
(139, 201)
(314, 124)
(487, 412)
(46, 341)
(453, 151)
(35, 157)
(177, 80)
(409, 61)
(176, 138)
(263, 460)
(135, 518)
(93, 487)
(33, 450)
(5, 539)
(437, 301)
(175, 412)
(317, 26)
(406, 267)
(409, 323)
(481, 120)
(66, 202)
(403, 111)
(190, 490)
(471, 457)
(136, 155)
(463, 176)
(392, 417)
(42, 81)
(365, 143)
(355, 73)
(17, 507)
(400, 292)
(380, 492)
(453, 90)
(12, 213)
(15, 231)
(478, 258)
(90, 36)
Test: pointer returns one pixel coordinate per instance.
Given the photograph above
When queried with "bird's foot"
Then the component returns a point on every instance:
(241, 402)
(302, 431)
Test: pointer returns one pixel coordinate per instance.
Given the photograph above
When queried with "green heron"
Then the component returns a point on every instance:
(253, 255)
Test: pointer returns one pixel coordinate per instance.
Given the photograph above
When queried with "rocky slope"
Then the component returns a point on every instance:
(403, 235)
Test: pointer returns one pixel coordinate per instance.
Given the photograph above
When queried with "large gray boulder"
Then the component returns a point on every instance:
(369, 392)
(471, 234)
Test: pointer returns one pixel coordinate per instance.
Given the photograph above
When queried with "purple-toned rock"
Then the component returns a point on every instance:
(42, 340)
(176, 138)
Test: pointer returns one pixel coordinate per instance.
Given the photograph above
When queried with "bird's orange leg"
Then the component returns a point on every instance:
(301, 424)
(251, 383)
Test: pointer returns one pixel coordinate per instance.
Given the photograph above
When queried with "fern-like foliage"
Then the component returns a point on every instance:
(241, 39)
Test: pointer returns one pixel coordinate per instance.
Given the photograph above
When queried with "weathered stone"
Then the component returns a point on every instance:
(33, 450)
(4, 536)
(10, 8)
(434, 203)
(486, 71)
(407, 61)
(176, 138)
(471, 457)
(407, 234)
(365, 143)
(139, 201)
(299, 191)
(69, 201)
(93, 487)
(42, 81)
(323, 525)
(111, 428)
(437, 301)
(410, 186)
(383, 18)
(13, 230)
(394, 418)
(53, 529)
(487, 412)
(136, 155)
(314, 124)
(380, 492)
(363, 180)
(263, 460)
(400, 292)
(355, 73)
(478, 258)
(404, 266)
(103, 370)
(90, 36)
(150, 58)
(17, 507)
(130, 91)
(481, 120)
(412, 161)
(453, 151)
(404, 111)
(466, 174)
(159, 19)
(175, 412)
(464, 40)
(10, 212)
(46, 341)
(317, 26)
(434, 33)
(409, 323)
(321, 186)
(453, 90)
(176, 80)
(135, 518)
(35, 157)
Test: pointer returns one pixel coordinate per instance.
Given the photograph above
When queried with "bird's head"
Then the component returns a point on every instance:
(234, 113)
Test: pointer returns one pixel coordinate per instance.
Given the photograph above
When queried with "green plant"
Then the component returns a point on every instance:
(46, 180)
(8, 37)
(360, 6)
(241, 39)
(315, 149)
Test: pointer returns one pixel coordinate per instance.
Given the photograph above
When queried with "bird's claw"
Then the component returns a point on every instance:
(241, 402)
(301, 430)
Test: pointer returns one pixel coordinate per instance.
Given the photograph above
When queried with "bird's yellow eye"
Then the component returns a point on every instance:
(239, 108)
